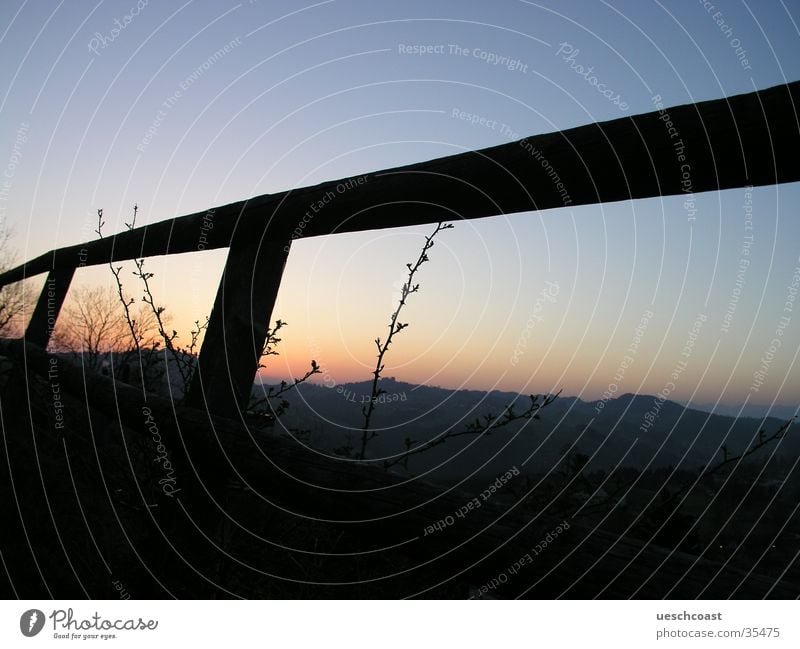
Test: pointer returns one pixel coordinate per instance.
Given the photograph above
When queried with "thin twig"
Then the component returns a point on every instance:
(395, 327)
(482, 426)
(126, 303)
(269, 349)
(271, 342)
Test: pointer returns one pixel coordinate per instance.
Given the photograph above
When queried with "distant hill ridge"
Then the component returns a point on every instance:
(631, 430)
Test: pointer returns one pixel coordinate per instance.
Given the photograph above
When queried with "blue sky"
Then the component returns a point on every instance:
(303, 92)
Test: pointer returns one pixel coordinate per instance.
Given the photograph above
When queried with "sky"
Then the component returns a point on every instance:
(180, 106)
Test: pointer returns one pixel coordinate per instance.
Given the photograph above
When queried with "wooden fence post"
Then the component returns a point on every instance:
(51, 299)
(237, 328)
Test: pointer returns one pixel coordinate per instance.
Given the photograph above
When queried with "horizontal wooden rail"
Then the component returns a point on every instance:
(749, 139)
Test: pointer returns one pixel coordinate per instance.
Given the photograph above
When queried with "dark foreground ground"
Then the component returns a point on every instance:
(106, 492)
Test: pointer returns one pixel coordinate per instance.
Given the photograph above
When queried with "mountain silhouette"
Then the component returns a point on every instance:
(631, 430)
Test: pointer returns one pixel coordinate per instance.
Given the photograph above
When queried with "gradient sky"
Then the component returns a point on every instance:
(311, 92)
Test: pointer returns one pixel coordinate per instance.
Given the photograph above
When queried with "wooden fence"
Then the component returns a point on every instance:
(745, 140)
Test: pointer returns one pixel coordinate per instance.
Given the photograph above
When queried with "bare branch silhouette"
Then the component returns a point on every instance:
(12, 296)
(136, 336)
(395, 327)
(481, 427)
(273, 393)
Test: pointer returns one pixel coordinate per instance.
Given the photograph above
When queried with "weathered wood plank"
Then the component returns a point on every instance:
(48, 306)
(749, 139)
(237, 327)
